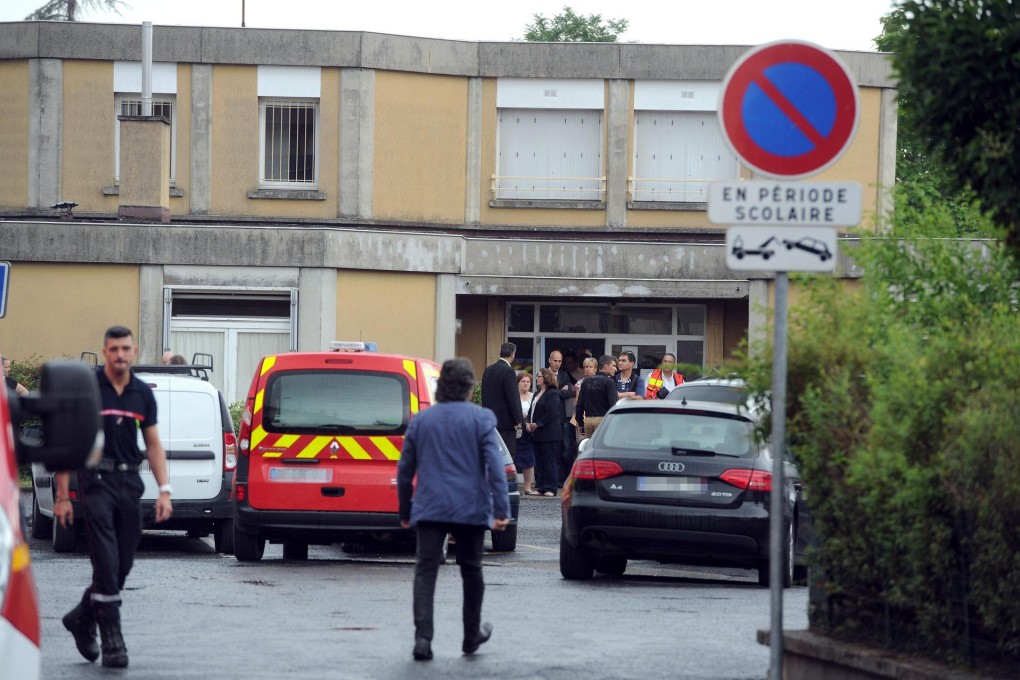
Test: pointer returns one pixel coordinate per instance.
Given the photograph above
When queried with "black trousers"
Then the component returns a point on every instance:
(430, 555)
(113, 524)
(547, 456)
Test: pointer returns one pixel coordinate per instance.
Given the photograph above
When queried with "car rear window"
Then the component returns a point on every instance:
(664, 430)
(336, 402)
(720, 394)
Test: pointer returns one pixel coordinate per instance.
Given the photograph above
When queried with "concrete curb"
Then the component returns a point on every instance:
(808, 656)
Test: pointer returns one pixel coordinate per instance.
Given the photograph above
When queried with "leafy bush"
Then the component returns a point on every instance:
(903, 397)
(27, 371)
(236, 410)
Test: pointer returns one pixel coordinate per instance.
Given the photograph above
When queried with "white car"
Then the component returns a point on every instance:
(198, 435)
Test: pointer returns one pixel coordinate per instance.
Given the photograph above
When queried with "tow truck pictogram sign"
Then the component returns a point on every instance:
(803, 249)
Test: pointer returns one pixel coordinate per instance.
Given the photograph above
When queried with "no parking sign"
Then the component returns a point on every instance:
(789, 109)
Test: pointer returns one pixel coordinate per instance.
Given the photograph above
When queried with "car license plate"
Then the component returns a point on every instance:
(672, 484)
(301, 475)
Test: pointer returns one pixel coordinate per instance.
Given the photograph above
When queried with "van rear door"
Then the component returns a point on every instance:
(189, 429)
(327, 434)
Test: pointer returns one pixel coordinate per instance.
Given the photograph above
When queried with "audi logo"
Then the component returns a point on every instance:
(671, 467)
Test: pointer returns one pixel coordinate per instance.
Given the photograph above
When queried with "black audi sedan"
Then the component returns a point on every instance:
(678, 481)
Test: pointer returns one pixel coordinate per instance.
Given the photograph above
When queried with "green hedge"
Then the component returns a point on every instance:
(904, 414)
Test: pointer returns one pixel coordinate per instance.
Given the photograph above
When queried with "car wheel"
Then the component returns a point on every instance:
(248, 547)
(65, 539)
(614, 565)
(223, 537)
(576, 564)
(295, 550)
(506, 540)
(763, 568)
(42, 526)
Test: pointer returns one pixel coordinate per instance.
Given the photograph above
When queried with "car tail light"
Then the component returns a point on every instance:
(752, 480)
(511, 472)
(245, 438)
(590, 468)
(240, 492)
(229, 451)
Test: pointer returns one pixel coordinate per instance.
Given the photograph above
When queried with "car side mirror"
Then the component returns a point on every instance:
(582, 445)
(68, 405)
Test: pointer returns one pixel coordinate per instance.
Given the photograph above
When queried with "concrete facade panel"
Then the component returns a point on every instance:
(14, 112)
(594, 259)
(420, 147)
(256, 46)
(59, 310)
(395, 310)
(396, 53)
(87, 139)
(418, 55)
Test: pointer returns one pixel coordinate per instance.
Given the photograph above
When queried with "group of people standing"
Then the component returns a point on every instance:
(542, 424)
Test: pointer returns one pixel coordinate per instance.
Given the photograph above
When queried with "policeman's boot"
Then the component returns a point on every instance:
(81, 622)
(114, 651)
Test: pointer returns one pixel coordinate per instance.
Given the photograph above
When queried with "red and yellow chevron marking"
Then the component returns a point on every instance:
(312, 446)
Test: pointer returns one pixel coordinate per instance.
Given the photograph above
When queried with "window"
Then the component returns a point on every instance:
(288, 143)
(678, 146)
(127, 84)
(289, 127)
(336, 403)
(550, 140)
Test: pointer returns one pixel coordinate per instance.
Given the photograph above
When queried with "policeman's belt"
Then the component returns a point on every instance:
(110, 466)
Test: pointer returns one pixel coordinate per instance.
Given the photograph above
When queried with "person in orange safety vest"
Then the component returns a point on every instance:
(664, 379)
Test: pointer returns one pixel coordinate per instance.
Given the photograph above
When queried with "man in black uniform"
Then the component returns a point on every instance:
(597, 395)
(110, 495)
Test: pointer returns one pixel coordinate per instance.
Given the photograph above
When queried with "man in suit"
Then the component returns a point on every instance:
(500, 395)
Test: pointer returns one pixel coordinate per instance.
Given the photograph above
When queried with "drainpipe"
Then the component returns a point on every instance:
(146, 68)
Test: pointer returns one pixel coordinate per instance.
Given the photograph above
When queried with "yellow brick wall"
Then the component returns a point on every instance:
(14, 91)
(87, 139)
(396, 310)
(420, 147)
(60, 310)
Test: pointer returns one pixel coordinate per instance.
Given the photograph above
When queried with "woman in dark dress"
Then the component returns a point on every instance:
(545, 425)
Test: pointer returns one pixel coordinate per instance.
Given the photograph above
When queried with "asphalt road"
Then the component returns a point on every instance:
(190, 613)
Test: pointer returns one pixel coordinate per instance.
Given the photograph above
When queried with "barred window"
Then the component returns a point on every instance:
(131, 105)
(289, 143)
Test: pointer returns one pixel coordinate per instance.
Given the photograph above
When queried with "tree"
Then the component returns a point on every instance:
(70, 10)
(957, 64)
(571, 27)
(927, 202)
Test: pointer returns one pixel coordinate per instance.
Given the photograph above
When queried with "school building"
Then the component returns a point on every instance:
(436, 197)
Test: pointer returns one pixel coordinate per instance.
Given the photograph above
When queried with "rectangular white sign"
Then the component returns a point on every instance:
(761, 202)
(781, 249)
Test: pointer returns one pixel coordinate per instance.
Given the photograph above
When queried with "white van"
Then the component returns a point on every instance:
(198, 435)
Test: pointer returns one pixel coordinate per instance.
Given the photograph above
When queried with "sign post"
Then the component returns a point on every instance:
(788, 110)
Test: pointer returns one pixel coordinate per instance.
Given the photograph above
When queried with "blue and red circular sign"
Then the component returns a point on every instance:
(789, 109)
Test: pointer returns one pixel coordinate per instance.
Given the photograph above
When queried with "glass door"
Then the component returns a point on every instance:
(648, 352)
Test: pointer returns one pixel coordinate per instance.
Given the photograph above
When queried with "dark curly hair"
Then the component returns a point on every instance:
(456, 380)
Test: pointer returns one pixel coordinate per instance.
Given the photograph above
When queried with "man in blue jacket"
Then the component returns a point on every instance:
(461, 489)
